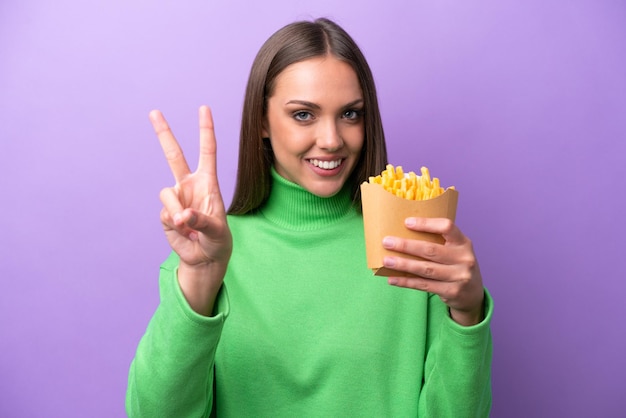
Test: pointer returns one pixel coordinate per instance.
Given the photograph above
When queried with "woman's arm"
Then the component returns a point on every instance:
(172, 372)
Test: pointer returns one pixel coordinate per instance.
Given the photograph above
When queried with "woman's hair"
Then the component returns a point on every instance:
(293, 43)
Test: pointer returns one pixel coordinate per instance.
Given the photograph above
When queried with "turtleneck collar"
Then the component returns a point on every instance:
(292, 207)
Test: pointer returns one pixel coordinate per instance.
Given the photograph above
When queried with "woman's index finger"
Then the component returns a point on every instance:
(441, 226)
(208, 146)
(171, 149)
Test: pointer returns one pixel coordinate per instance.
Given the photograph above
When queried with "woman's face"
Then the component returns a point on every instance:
(314, 122)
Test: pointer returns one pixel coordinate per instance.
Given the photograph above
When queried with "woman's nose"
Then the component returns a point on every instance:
(329, 138)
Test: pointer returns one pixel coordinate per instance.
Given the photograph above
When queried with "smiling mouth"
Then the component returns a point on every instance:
(326, 165)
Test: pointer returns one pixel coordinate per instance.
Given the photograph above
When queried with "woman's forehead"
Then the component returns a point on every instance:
(318, 77)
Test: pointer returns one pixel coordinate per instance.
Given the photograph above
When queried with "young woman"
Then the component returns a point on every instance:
(270, 310)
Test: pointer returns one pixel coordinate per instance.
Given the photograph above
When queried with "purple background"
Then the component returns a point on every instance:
(520, 104)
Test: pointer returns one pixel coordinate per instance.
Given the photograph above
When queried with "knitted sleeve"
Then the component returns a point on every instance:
(457, 373)
(172, 372)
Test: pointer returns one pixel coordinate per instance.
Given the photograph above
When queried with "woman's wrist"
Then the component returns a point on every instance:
(200, 284)
(466, 319)
(470, 317)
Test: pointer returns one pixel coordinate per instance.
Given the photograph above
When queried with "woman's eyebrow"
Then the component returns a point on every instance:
(354, 103)
(304, 103)
(316, 106)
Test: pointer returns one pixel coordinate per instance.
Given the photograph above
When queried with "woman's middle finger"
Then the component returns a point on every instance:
(433, 251)
(421, 268)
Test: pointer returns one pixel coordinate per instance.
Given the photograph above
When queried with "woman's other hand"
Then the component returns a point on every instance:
(449, 270)
(193, 214)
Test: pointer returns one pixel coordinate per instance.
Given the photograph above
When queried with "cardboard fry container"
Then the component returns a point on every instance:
(384, 214)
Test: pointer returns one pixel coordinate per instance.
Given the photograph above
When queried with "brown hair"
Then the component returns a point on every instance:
(293, 43)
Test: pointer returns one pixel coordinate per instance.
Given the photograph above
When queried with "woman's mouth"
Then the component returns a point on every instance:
(326, 165)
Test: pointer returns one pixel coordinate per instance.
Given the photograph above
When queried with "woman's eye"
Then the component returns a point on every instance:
(352, 114)
(302, 116)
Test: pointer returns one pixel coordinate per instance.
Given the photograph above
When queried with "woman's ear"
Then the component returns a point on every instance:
(265, 132)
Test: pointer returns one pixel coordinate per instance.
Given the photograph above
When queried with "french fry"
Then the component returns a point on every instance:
(409, 185)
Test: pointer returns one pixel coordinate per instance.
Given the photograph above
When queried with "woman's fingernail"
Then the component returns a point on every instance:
(389, 261)
(388, 242)
(392, 281)
(409, 222)
(177, 217)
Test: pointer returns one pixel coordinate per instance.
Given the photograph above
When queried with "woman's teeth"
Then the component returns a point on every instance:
(326, 165)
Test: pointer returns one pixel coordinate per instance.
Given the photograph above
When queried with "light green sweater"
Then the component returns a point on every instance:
(303, 329)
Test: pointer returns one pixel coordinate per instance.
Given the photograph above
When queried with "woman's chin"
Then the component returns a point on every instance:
(326, 189)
